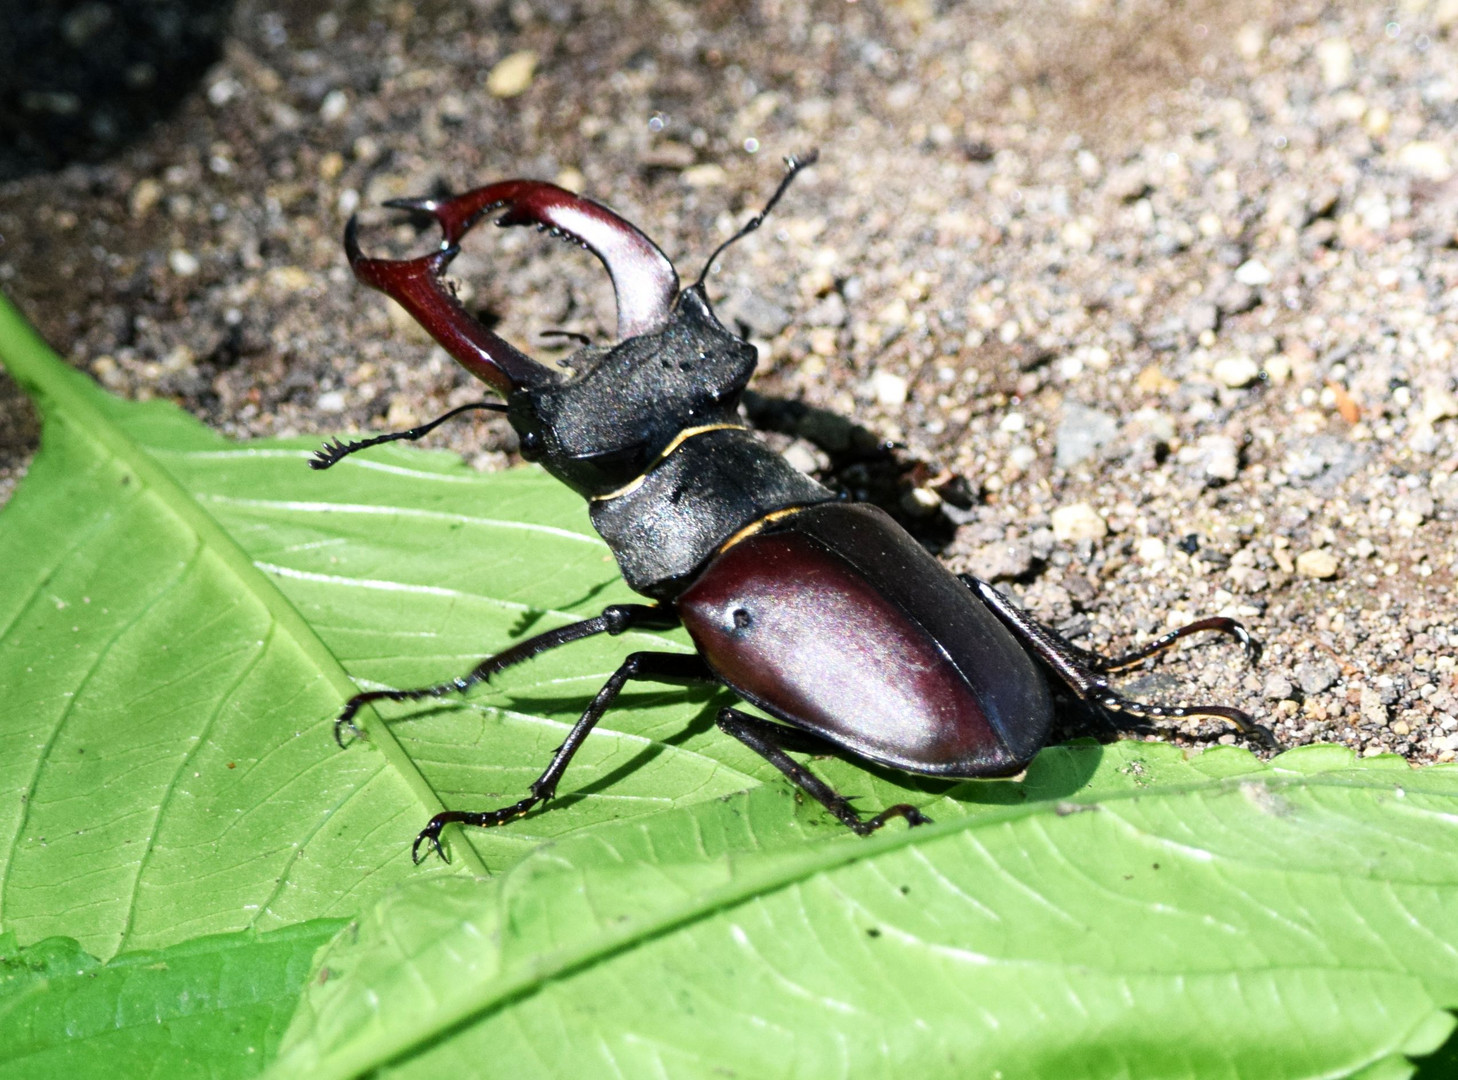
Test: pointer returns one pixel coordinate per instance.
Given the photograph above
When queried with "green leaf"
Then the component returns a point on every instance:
(187, 616)
(214, 1007)
(174, 645)
(1289, 921)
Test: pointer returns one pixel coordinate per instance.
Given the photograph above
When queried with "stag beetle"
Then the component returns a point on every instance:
(824, 613)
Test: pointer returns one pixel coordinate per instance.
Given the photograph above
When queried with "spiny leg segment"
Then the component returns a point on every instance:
(613, 621)
(768, 740)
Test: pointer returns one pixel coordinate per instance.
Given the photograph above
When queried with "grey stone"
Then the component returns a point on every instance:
(1081, 434)
(1317, 675)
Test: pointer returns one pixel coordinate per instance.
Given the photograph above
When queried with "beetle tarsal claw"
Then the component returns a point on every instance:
(429, 835)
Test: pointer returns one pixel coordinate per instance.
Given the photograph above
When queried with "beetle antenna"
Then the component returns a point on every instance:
(793, 165)
(332, 452)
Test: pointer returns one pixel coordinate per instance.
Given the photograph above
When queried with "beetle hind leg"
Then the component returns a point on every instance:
(768, 741)
(1083, 671)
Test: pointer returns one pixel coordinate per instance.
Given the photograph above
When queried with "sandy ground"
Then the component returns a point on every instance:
(1157, 300)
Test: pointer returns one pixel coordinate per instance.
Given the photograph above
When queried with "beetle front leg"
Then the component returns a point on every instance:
(613, 621)
(662, 667)
(1083, 671)
(767, 740)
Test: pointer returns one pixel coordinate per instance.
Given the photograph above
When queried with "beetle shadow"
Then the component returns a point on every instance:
(866, 467)
(82, 82)
(1049, 777)
(527, 621)
(703, 721)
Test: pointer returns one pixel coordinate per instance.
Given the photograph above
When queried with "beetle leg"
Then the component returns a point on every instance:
(767, 740)
(1218, 623)
(1087, 681)
(1097, 662)
(662, 667)
(613, 621)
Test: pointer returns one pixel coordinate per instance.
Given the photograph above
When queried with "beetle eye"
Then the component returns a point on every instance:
(741, 618)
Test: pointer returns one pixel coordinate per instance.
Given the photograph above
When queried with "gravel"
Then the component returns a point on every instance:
(1127, 276)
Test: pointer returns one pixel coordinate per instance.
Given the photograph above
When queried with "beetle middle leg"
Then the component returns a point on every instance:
(662, 667)
(768, 741)
(1083, 671)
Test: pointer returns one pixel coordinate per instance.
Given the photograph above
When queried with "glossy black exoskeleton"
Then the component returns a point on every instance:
(825, 614)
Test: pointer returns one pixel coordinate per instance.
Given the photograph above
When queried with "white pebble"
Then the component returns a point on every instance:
(1426, 159)
(334, 106)
(1253, 272)
(1078, 522)
(512, 75)
(1316, 564)
(1236, 371)
(889, 388)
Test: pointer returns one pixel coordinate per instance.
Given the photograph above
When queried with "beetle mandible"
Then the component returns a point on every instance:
(825, 614)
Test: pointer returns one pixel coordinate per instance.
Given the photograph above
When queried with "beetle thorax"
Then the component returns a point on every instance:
(623, 407)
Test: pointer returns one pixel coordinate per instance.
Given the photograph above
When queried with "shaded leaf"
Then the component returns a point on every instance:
(214, 1007)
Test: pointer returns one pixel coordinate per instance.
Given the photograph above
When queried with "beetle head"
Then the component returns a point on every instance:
(606, 414)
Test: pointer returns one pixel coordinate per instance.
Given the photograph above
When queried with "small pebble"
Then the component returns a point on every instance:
(702, 176)
(1318, 563)
(289, 278)
(1317, 675)
(1253, 272)
(1428, 160)
(145, 195)
(763, 317)
(1002, 560)
(805, 457)
(921, 502)
(183, 263)
(512, 75)
(1236, 371)
(1372, 708)
(1219, 456)
(1202, 315)
(334, 106)
(1081, 434)
(1152, 550)
(1277, 687)
(1237, 298)
(1078, 522)
(890, 389)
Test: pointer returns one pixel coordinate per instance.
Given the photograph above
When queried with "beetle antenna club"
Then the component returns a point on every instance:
(331, 453)
(793, 165)
(825, 614)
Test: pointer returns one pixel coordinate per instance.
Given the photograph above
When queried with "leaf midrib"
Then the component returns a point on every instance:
(57, 391)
